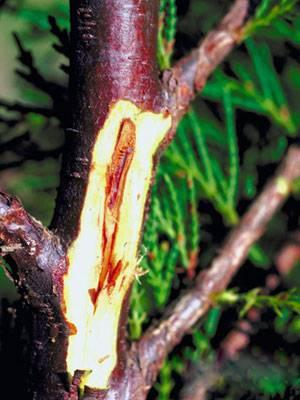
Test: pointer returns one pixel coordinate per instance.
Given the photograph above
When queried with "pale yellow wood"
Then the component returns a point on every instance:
(92, 346)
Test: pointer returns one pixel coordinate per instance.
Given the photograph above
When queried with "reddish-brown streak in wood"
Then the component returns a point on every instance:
(120, 163)
(113, 274)
(115, 178)
(107, 261)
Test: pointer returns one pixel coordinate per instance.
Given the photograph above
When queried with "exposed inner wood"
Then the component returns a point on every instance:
(103, 257)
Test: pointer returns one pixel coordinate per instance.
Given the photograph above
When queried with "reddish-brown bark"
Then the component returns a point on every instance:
(189, 75)
(113, 57)
(113, 62)
(39, 263)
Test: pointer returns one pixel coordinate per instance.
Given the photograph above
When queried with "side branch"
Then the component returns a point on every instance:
(158, 341)
(190, 74)
(24, 238)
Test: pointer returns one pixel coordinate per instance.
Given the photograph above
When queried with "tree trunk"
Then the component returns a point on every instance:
(118, 123)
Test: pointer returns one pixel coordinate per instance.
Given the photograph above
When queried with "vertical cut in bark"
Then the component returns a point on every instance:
(103, 257)
(119, 122)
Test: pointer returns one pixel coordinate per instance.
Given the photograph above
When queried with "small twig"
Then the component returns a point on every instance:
(33, 76)
(189, 75)
(55, 91)
(64, 46)
(25, 109)
(158, 341)
(36, 155)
